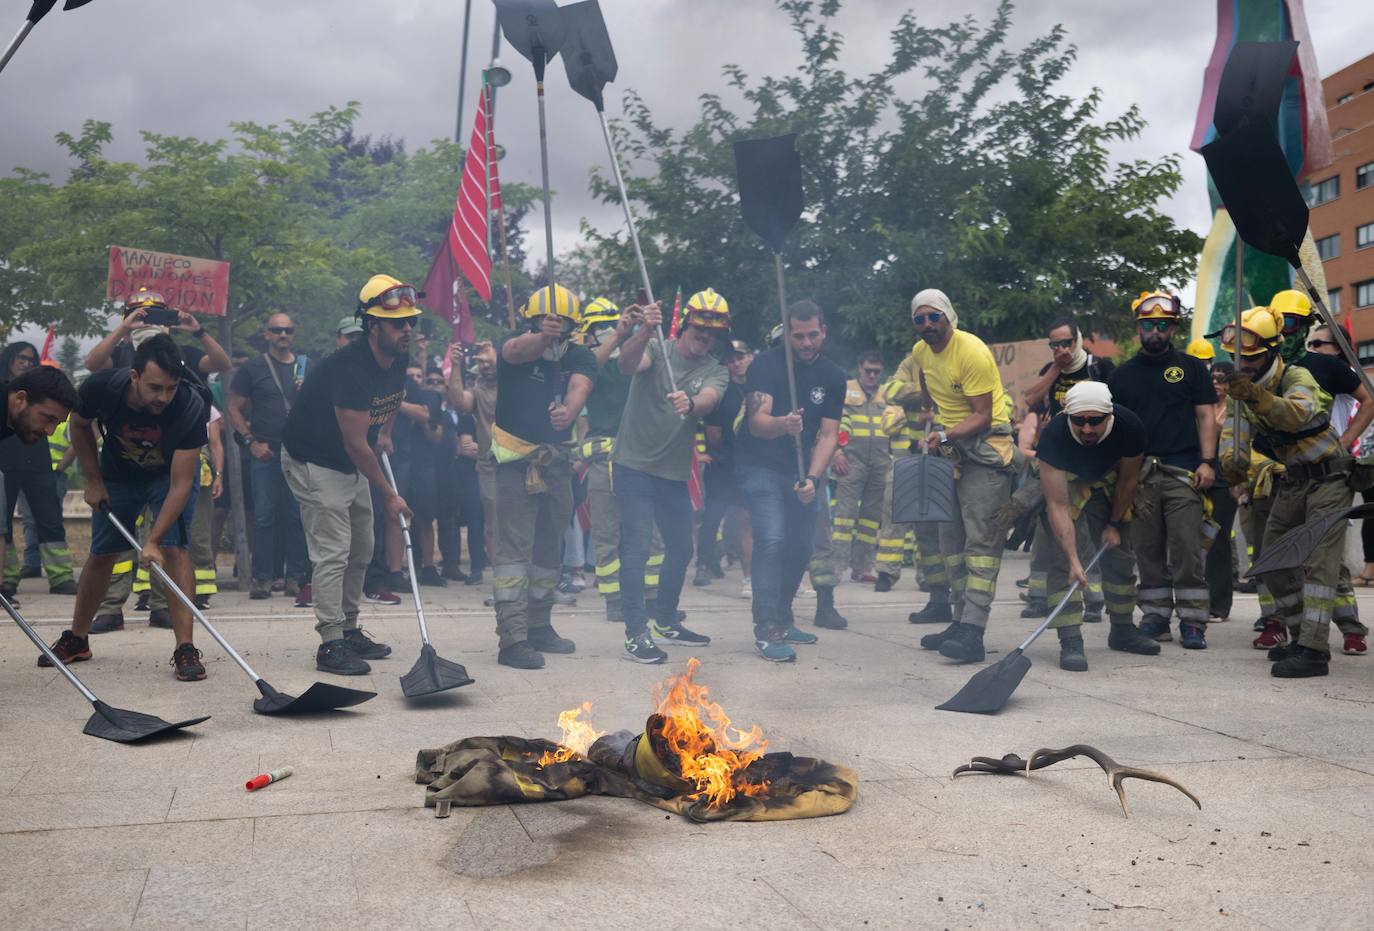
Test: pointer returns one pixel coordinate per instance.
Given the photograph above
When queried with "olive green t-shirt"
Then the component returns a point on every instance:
(652, 438)
(605, 404)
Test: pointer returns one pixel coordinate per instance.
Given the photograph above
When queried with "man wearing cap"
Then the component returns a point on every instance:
(1284, 415)
(345, 407)
(675, 384)
(1089, 457)
(1172, 394)
(959, 376)
(347, 332)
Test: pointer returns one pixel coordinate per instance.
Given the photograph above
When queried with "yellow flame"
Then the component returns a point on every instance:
(578, 735)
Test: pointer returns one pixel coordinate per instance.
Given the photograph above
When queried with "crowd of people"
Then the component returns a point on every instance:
(586, 440)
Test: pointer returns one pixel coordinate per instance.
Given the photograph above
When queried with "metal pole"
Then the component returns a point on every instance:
(787, 353)
(1337, 333)
(233, 464)
(1242, 455)
(410, 555)
(539, 62)
(495, 54)
(13, 47)
(463, 72)
(634, 240)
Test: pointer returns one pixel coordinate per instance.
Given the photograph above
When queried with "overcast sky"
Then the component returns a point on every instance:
(192, 66)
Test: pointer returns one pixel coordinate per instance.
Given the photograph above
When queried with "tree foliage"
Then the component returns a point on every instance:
(991, 182)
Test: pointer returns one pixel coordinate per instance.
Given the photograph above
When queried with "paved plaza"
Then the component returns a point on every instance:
(100, 835)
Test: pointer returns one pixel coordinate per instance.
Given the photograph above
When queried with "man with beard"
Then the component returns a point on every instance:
(782, 505)
(1089, 460)
(346, 406)
(862, 465)
(1172, 394)
(959, 377)
(1284, 416)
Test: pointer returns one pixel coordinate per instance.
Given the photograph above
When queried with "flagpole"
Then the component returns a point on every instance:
(463, 72)
(13, 47)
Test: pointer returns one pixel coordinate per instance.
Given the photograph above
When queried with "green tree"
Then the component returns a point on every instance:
(69, 355)
(990, 183)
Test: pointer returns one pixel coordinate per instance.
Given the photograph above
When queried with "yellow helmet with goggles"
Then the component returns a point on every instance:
(598, 313)
(1156, 305)
(554, 299)
(1291, 302)
(1261, 330)
(389, 299)
(144, 297)
(708, 310)
(1201, 349)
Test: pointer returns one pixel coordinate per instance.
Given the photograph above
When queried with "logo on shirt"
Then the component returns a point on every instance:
(1173, 374)
(817, 395)
(696, 385)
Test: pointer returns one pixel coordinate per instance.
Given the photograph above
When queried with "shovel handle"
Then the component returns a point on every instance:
(46, 651)
(410, 556)
(787, 355)
(1044, 625)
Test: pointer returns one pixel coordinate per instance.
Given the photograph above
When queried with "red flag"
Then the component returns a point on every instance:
(46, 354)
(446, 294)
(467, 234)
(677, 307)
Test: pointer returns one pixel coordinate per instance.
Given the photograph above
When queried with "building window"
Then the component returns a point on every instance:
(1365, 353)
(1364, 293)
(1333, 301)
(1323, 192)
(1328, 247)
(1344, 98)
(1364, 236)
(1364, 176)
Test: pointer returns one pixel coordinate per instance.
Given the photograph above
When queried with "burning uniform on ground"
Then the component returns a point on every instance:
(1173, 396)
(959, 375)
(1090, 458)
(1284, 414)
(543, 379)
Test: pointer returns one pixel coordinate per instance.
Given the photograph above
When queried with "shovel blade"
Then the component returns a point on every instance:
(531, 24)
(322, 696)
(432, 673)
(129, 727)
(987, 692)
(769, 173)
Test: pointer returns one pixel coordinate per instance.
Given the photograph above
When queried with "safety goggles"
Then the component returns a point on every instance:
(281, 330)
(1156, 325)
(1250, 341)
(146, 299)
(1088, 420)
(706, 319)
(932, 318)
(1158, 304)
(402, 295)
(1292, 323)
(1061, 344)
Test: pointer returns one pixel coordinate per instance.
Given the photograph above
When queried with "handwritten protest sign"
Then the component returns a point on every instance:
(200, 286)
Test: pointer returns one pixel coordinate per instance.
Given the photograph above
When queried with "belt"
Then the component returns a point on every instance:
(1316, 471)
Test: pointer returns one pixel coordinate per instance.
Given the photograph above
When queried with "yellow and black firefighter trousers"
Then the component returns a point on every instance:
(531, 507)
(1167, 547)
(1117, 566)
(1045, 553)
(859, 506)
(972, 546)
(822, 565)
(596, 453)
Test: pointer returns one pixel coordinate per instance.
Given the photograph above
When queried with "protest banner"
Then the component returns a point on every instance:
(200, 286)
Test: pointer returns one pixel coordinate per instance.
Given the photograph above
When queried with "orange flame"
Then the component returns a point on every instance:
(709, 752)
(578, 736)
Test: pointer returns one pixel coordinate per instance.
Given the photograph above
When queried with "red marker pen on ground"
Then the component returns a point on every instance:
(267, 778)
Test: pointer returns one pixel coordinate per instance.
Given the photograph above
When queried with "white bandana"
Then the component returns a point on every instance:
(1089, 397)
(933, 297)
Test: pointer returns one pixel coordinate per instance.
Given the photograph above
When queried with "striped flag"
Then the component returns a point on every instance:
(468, 233)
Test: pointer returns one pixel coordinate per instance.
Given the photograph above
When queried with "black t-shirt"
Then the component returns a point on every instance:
(464, 425)
(1163, 391)
(524, 392)
(349, 379)
(820, 392)
(412, 436)
(724, 417)
(1095, 370)
(5, 429)
(1089, 463)
(138, 444)
(1330, 373)
(254, 381)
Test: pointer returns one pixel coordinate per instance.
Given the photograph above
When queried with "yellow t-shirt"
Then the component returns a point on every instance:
(964, 369)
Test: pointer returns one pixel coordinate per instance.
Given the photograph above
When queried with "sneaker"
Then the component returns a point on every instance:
(69, 649)
(933, 641)
(65, 587)
(615, 612)
(473, 578)
(364, 646)
(1214, 618)
(1259, 624)
(430, 576)
(773, 647)
(1272, 634)
(30, 572)
(702, 578)
(829, 619)
(1283, 652)
(1156, 629)
(305, 596)
(883, 583)
(568, 586)
(867, 578)
(747, 592)
(1092, 614)
(566, 599)
(1127, 638)
(108, 623)
(382, 595)
(935, 612)
(1192, 636)
(520, 656)
(186, 660)
(677, 634)
(1071, 656)
(1354, 645)
(456, 574)
(337, 656)
(202, 602)
(546, 640)
(1036, 608)
(261, 590)
(1247, 587)
(279, 585)
(142, 603)
(397, 581)
(161, 619)
(964, 645)
(1304, 663)
(793, 634)
(292, 588)
(642, 649)
(1023, 583)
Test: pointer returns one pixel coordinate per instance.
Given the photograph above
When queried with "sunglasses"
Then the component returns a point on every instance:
(1155, 325)
(402, 323)
(434, 382)
(870, 371)
(281, 330)
(402, 295)
(1319, 343)
(1083, 420)
(1061, 344)
(922, 319)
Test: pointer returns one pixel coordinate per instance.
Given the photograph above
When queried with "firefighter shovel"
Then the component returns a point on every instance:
(111, 723)
(987, 692)
(431, 672)
(322, 696)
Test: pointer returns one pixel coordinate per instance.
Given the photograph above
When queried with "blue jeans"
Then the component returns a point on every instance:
(276, 522)
(646, 500)
(127, 501)
(784, 531)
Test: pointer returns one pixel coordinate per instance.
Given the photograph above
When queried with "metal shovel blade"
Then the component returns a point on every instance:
(769, 174)
(129, 727)
(587, 53)
(432, 673)
(987, 692)
(531, 24)
(319, 697)
(1295, 547)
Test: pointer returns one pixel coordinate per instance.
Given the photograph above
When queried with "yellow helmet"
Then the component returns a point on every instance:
(1156, 304)
(600, 312)
(708, 310)
(1261, 330)
(554, 299)
(1201, 349)
(1291, 302)
(388, 298)
(144, 297)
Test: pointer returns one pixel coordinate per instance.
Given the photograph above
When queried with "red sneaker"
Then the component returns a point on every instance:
(1274, 634)
(69, 649)
(1354, 645)
(186, 660)
(382, 595)
(867, 578)
(305, 598)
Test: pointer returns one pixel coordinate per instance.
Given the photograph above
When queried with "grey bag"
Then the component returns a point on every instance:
(923, 490)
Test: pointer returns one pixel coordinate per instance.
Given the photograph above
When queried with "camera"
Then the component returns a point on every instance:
(161, 316)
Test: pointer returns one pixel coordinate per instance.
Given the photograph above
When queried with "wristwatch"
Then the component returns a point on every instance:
(1118, 525)
(1211, 462)
(812, 479)
(691, 406)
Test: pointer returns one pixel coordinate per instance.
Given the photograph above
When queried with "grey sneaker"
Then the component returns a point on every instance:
(337, 656)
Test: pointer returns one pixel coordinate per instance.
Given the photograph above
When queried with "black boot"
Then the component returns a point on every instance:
(935, 612)
(965, 645)
(1125, 637)
(826, 615)
(933, 641)
(1035, 607)
(884, 583)
(1302, 663)
(1071, 657)
(546, 640)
